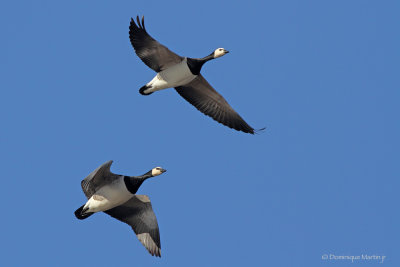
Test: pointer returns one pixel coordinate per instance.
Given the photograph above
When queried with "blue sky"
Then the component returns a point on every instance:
(322, 76)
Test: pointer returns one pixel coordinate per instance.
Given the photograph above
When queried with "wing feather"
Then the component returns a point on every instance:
(98, 178)
(155, 55)
(203, 96)
(138, 213)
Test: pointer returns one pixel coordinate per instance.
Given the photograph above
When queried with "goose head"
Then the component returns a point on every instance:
(219, 52)
(157, 171)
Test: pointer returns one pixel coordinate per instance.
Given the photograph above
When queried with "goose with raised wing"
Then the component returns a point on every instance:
(115, 195)
(183, 74)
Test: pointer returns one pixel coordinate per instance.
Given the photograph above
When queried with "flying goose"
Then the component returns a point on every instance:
(115, 195)
(183, 73)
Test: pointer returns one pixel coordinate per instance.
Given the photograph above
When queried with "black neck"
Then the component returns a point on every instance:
(133, 183)
(195, 64)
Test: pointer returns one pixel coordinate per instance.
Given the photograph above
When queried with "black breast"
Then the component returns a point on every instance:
(132, 184)
(195, 65)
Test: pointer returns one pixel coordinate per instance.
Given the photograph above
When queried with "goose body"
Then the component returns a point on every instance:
(109, 196)
(176, 75)
(183, 74)
(116, 195)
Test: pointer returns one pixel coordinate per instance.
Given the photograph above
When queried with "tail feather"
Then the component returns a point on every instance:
(142, 89)
(81, 214)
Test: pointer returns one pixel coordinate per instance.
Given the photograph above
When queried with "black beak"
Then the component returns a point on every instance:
(226, 51)
(163, 170)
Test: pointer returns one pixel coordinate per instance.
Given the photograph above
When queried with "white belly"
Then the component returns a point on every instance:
(174, 76)
(109, 197)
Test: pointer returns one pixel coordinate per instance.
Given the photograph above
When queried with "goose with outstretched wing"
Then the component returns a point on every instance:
(115, 195)
(183, 74)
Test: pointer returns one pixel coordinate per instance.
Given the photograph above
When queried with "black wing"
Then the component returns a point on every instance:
(203, 96)
(98, 178)
(138, 213)
(151, 52)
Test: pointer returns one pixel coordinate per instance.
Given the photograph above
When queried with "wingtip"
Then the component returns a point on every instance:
(132, 25)
(156, 252)
(107, 165)
(133, 22)
(138, 21)
(144, 28)
(258, 131)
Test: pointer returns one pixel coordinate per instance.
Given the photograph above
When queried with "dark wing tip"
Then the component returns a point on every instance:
(137, 24)
(156, 253)
(261, 130)
(132, 24)
(249, 131)
(141, 25)
(241, 125)
(207, 100)
(144, 28)
(237, 123)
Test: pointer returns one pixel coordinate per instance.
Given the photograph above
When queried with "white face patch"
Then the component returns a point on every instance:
(219, 52)
(156, 171)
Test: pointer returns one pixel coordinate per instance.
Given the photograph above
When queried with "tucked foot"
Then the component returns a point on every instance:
(142, 89)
